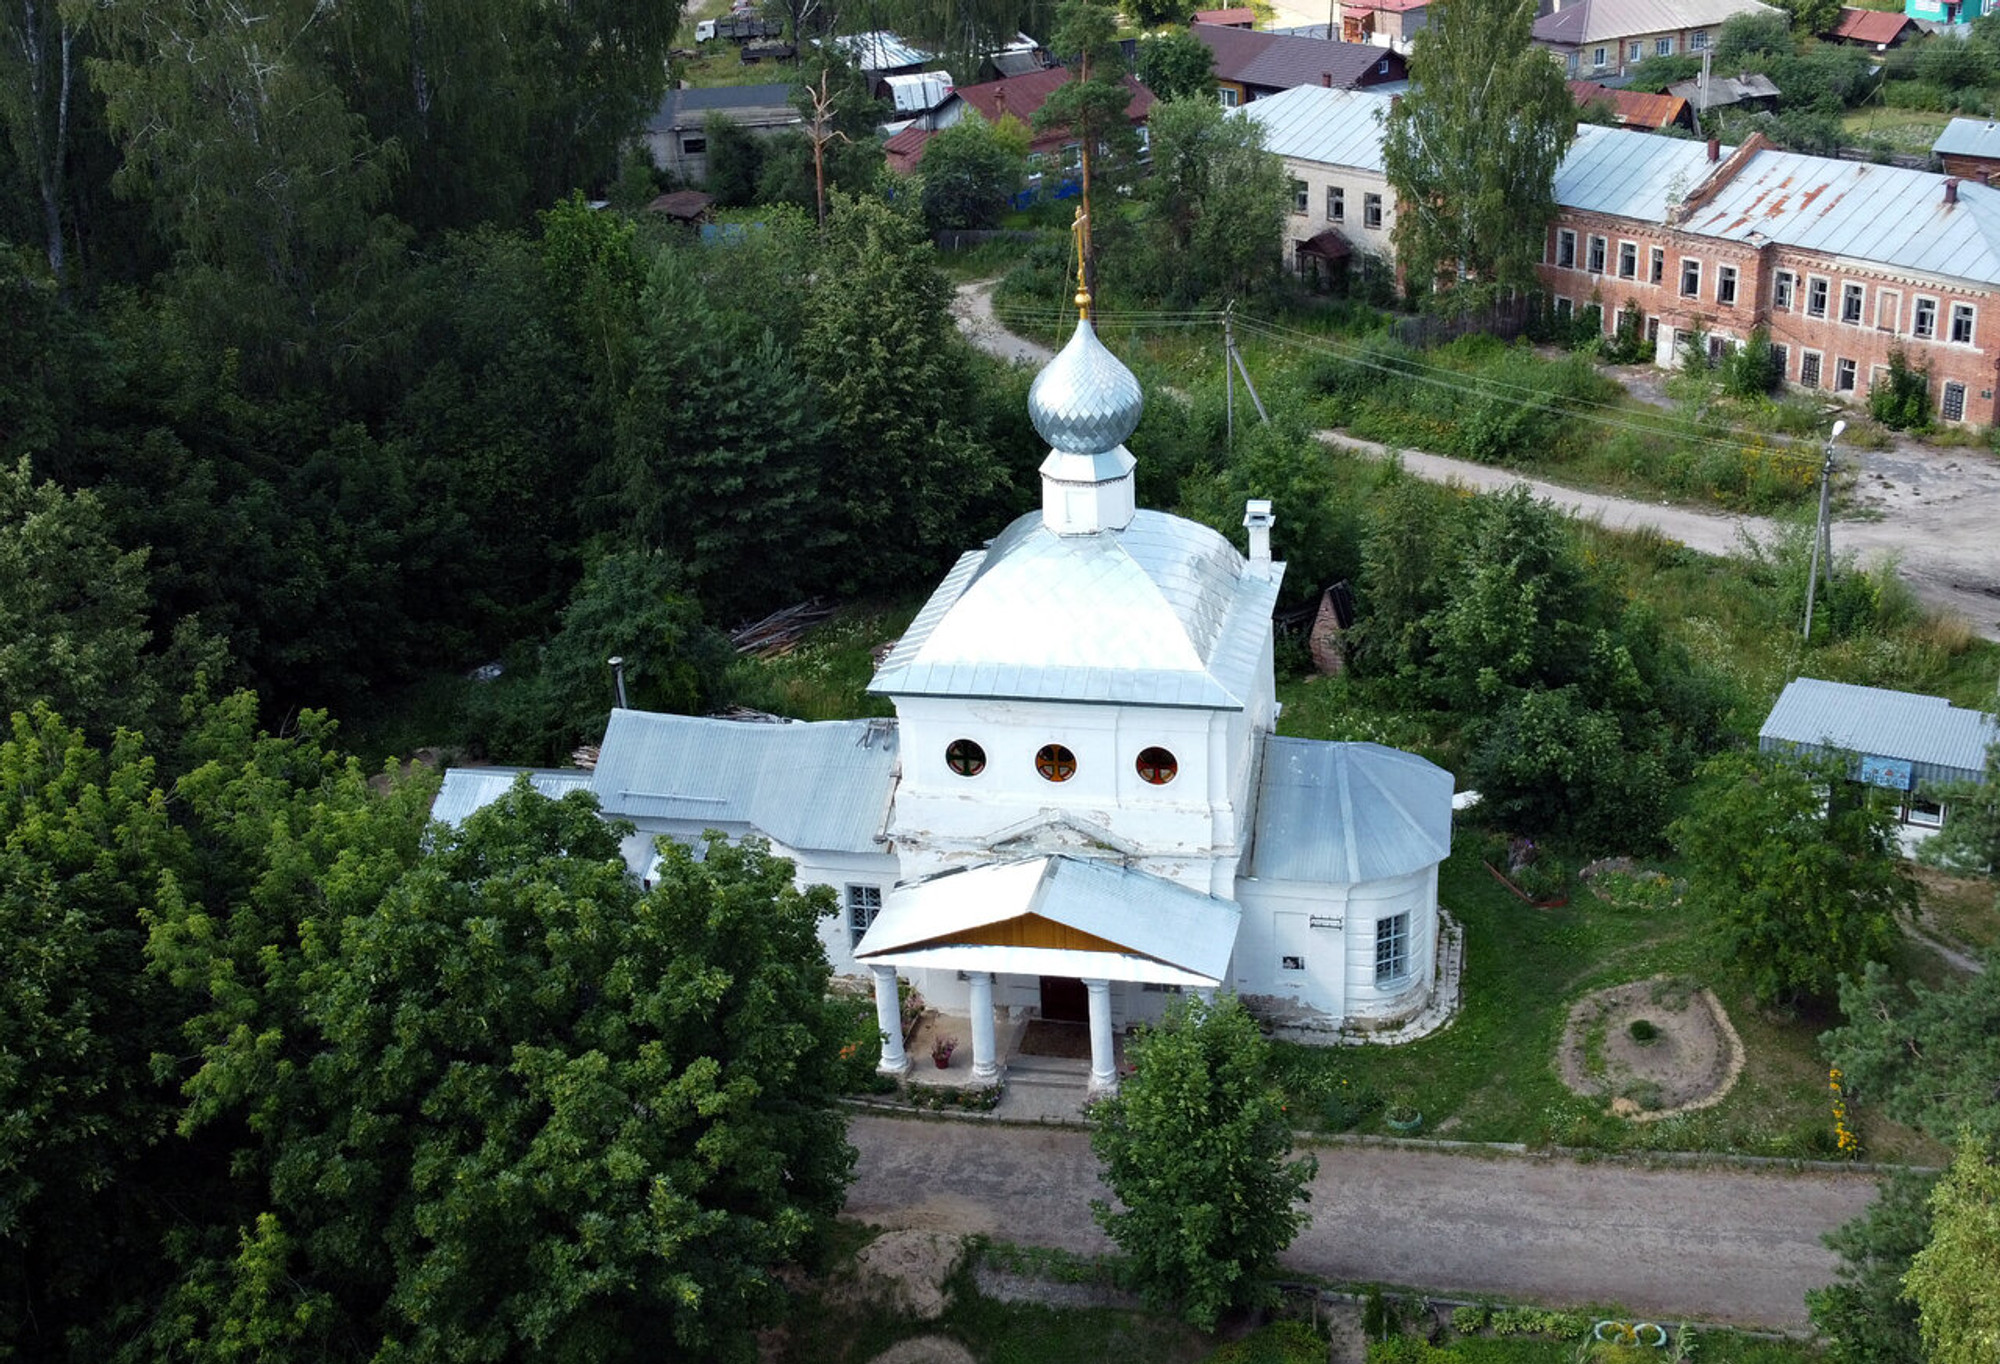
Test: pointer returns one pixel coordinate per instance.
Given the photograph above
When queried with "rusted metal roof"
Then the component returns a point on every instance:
(1628, 174)
(1875, 27)
(1632, 108)
(1228, 18)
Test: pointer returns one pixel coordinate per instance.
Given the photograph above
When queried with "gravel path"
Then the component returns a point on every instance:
(1720, 1244)
(1935, 512)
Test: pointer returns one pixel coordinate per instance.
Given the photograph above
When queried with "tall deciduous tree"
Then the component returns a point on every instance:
(1218, 200)
(1472, 150)
(1952, 1279)
(84, 843)
(1177, 65)
(971, 170)
(43, 49)
(1800, 869)
(1197, 1148)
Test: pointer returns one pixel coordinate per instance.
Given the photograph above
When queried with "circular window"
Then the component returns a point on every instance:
(965, 757)
(1157, 766)
(1055, 762)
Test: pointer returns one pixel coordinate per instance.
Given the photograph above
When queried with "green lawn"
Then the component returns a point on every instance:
(1907, 130)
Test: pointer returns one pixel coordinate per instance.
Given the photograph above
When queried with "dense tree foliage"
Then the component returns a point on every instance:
(288, 1071)
(1197, 1148)
(1177, 65)
(1800, 868)
(1472, 150)
(1951, 1279)
(1927, 1057)
(971, 170)
(1218, 202)
(1969, 842)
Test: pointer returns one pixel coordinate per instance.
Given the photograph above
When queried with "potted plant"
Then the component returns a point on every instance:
(1402, 1114)
(941, 1051)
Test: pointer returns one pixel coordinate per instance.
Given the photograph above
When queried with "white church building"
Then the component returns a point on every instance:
(1081, 806)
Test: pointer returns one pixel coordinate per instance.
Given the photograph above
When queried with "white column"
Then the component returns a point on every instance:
(1103, 1059)
(889, 1018)
(985, 1064)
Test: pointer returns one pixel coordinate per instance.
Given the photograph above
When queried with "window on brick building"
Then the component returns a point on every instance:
(1371, 210)
(1656, 269)
(1595, 259)
(1888, 310)
(1300, 202)
(1850, 304)
(1336, 204)
(1961, 323)
(1565, 249)
(1782, 285)
(1653, 331)
(1809, 369)
(1952, 408)
(1725, 286)
(1663, 47)
(1816, 290)
(1690, 278)
(1634, 50)
(1923, 318)
(1781, 361)
(1564, 309)
(1600, 57)
(1843, 376)
(1698, 42)
(1628, 260)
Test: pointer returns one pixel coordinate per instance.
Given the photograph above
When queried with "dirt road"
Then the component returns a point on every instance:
(1935, 512)
(1718, 1244)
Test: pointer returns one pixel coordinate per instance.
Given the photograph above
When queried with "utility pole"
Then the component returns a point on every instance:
(1822, 532)
(1229, 373)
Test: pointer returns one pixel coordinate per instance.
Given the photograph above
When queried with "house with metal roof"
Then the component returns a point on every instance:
(677, 134)
(1899, 741)
(1082, 806)
(1634, 108)
(1250, 65)
(1598, 38)
(1842, 264)
(1969, 147)
(1384, 23)
(1872, 28)
(1343, 212)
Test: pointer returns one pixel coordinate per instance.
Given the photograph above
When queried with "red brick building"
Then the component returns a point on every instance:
(1840, 262)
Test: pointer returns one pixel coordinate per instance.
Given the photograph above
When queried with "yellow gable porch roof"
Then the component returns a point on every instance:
(1056, 916)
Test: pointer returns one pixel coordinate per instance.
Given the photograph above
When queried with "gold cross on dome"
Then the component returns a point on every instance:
(1080, 229)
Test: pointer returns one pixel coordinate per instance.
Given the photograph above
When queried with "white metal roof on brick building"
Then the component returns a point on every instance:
(1940, 741)
(1885, 215)
(1969, 137)
(1630, 174)
(1314, 123)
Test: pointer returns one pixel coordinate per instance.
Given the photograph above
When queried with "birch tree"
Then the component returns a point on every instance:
(1472, 150)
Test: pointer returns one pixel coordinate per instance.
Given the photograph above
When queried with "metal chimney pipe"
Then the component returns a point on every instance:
(617, 662)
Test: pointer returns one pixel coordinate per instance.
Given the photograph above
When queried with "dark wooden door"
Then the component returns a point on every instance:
(1064, 1000)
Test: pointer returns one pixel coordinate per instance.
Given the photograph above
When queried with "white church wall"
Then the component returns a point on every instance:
(942, 819)
(1370, 1002)
(1291, 952)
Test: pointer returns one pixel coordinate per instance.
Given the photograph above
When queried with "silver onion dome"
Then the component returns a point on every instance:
(1085, 402)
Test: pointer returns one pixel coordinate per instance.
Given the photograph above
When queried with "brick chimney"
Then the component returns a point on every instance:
(1714, 150)
(1951, 190)
(1326, 79)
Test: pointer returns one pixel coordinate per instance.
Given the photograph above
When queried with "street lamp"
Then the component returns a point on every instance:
(1822, 532)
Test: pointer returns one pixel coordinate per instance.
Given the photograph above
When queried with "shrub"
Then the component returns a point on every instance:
(1643, 1031)
(1901, 401)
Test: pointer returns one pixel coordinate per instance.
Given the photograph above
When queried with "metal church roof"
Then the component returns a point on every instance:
(1343, 813)
(1161, 613)
(1630, 174)
(466, 789)
(1940, 741)
(1314, 123)
(1097, 920)
(821, 786)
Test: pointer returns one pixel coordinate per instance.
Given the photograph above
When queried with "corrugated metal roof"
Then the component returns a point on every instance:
(1160, 613)
(1724, 91)
(819, 786)
(689, 108)
(919, 91)
(880, 50)
(466, 789)
(1969, 137)
(1633, 108)
(1871, 25)
(1313, 123)
(1601, 21)
(1632, 175)
(1343, 813)
(1885, 215)
(1171, 934)
(1940, 741)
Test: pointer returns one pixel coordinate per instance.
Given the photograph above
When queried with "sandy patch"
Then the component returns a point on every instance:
(1690, 1061)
